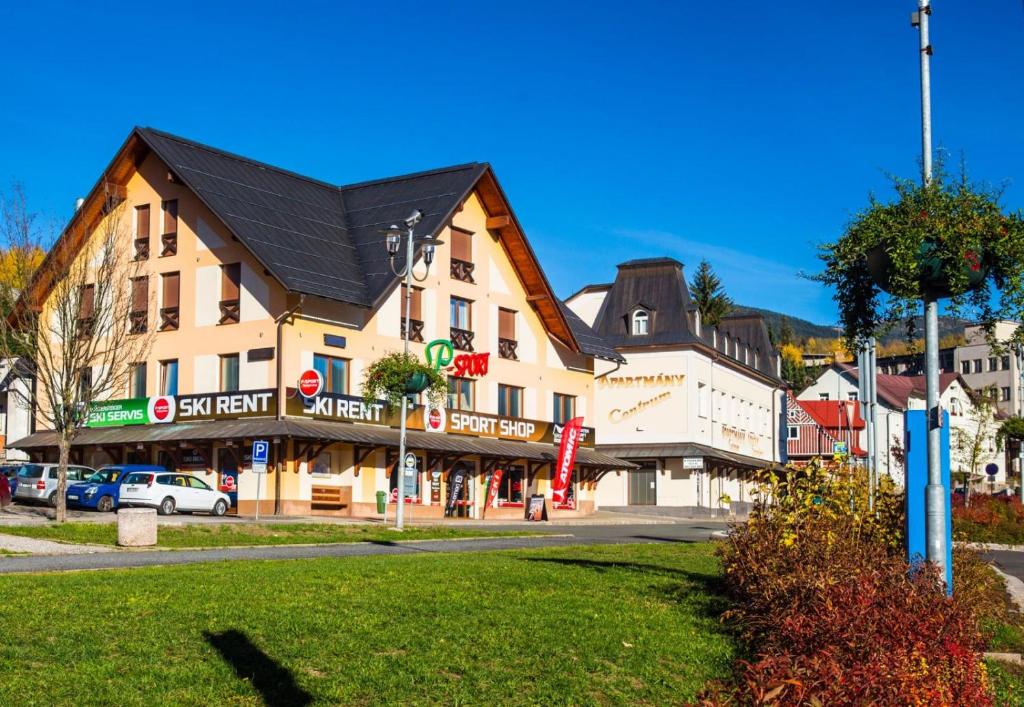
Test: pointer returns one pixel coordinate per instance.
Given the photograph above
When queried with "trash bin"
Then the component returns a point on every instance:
(381, 495)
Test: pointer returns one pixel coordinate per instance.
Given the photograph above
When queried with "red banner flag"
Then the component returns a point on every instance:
(492, 490)
(571, 432)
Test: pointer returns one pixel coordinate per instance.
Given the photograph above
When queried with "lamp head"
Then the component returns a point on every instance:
(414, 218)
(393, 240)
(429, 244)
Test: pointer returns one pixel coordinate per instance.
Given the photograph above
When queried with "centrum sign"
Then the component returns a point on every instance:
(183, 408)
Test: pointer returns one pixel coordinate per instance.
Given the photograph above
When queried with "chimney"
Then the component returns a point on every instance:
(78, 203)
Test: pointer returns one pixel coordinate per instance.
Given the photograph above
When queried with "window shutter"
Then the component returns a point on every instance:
(506, 324)
(170, 216)
(142, 221)
(140, 294)
(172, 289)
(462, 245)
(231, 276)
(86, 302)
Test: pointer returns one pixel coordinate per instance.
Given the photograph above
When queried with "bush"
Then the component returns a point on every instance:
(998, 519)
(829, 609)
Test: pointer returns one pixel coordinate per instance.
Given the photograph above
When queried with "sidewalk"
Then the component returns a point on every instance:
(32, 546)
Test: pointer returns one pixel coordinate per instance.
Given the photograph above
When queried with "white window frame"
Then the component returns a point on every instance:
(641, 315)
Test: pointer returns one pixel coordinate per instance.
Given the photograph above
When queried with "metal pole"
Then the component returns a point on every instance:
(935, 492)
(872, 371)
(259, 478)
(400, 465)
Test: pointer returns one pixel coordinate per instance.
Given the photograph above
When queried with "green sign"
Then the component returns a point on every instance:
(115, 413)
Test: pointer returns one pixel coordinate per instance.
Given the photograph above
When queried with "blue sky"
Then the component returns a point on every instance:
(742, 132)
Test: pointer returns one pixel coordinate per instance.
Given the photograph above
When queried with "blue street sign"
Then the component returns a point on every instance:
(260, 451)
(992, 469)
(839, 448)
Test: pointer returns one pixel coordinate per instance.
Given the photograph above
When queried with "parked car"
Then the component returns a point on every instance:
(102, 490)
(168, 492)
(38, 482)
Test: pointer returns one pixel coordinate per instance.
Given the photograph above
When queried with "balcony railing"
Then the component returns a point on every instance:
(169, 318)
(415, 329)
(507, 349)
(169, 244)
(229, 311)
(462, 339)
(141, 248)
(139, 321)
(462, 270)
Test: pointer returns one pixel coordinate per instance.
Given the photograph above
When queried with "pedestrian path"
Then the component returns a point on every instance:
(33, 546)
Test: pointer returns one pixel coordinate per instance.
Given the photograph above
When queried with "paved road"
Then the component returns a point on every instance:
(1012, 563)
(696, 531)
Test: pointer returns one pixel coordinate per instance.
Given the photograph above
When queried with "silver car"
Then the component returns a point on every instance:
(38, 482)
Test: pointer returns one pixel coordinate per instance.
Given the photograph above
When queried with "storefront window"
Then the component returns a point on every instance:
(322, 464)
(510, 491)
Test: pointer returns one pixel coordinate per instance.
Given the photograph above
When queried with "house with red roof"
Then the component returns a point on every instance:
(820, 428)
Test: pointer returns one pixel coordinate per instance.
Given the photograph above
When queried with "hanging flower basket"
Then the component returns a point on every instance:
(396, 375)
(947, 239)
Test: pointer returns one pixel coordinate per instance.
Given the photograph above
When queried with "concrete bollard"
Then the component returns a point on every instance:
(136, 527)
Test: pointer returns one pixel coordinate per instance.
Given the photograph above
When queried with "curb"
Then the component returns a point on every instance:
(1014, 587)
(989, 546)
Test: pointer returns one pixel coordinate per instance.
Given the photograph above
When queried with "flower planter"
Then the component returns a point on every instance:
(417, 383)
(932, 279)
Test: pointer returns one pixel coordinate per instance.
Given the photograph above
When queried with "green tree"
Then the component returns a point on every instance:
(709, 296)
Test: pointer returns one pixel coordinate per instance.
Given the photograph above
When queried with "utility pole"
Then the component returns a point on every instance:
(935, 493)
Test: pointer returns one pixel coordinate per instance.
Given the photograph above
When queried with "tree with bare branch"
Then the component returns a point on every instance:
(972, 444)
(78, 320)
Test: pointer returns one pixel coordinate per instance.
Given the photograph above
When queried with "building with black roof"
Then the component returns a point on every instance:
(696, 407)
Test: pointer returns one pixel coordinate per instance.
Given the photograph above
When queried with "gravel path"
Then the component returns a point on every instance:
(16, 543)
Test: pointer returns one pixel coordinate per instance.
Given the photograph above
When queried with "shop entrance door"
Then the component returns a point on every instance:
(227, 468)
(643, 485)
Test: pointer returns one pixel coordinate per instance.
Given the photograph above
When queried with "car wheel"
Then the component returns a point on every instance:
(220, 508)
(166, 506)
(105, 504)
(52, 500)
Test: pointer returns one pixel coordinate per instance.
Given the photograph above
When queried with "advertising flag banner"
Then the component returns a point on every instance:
(456, 482)
(492, 489)
(566, 459)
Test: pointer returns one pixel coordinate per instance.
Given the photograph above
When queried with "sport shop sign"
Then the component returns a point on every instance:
(183, 408)
(336, 407)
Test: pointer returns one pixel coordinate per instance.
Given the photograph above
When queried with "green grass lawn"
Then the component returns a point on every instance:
(628, 624)
(227, 534)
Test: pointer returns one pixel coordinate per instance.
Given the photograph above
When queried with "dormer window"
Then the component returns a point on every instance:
(641, 322)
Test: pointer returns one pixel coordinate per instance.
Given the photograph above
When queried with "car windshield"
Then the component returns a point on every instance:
(105, 476)
(30, 471)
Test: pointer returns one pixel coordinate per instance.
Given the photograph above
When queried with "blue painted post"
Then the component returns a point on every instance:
(916, 446)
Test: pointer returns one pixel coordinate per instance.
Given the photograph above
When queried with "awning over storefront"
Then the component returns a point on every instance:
(685, 450)
(353, 433)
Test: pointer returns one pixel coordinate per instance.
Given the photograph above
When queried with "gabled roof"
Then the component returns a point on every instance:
(898, 390)
(590, 343)
(325, 240)
(834, 414)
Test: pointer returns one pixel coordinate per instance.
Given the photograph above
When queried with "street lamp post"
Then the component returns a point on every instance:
(935, 494)
(393, 242)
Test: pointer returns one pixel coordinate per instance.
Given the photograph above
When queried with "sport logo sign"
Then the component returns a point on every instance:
(435, 419)
(311, 383)
(162, 409)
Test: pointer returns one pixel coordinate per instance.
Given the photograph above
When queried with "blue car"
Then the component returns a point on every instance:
(102, 490)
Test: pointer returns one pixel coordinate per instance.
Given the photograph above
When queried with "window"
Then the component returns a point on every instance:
(977, 365)
(230, 288)
(228, 373)
(169, 238)
(169, 377)
(510, 400)
(461, 316)
(965, 366)
(462, 255)
(993, 363)
(822, 396)
(794, 432)
(703, 402)
(510, 490)
(415, 313)
(142, 232)
(852, 395)
(86, 309)
(507, 343)
(170, 284)
(137, 381)
(460, 394)
(1004, 394)
(140, 304)
(564, 408)
(322, 464)
(85, 385)
(334, 371)
(1005, 362)
(641, 321)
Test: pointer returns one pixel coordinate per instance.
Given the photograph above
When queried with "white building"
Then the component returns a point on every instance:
(15, 413)
(698, 408)
(896, 395)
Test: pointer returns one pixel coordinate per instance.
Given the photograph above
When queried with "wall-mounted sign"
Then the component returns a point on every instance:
(441, 356)
(618, 414)
(659, 380)
(311, 383)
(183, 408)
(693, 462)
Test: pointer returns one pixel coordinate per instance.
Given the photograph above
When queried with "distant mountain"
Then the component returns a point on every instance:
(804, 329)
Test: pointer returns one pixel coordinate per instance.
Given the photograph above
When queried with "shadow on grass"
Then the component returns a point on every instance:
(663, 539)
(273, 681)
